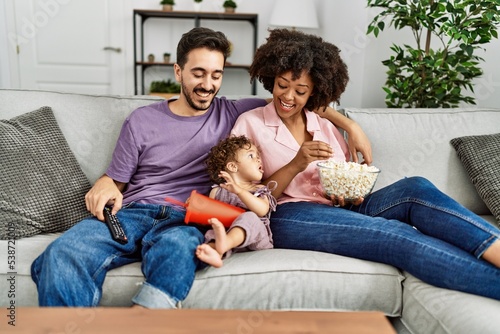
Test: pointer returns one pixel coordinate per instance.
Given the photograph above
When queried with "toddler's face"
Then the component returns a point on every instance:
(249, 164)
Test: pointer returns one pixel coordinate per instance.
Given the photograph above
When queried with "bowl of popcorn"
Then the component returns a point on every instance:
(347, 179)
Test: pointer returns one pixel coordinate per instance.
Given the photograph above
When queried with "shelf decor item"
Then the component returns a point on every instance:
(166, 57)
(437, 74)
(141, 64)
(231, 48)
(165, 89)
(151, 58)
(229, 6)
(168, 5)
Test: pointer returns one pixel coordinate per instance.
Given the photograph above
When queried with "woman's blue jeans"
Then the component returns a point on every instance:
(409, 224)
(72, 269)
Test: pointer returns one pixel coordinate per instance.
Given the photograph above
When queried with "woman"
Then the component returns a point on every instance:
(409, 224)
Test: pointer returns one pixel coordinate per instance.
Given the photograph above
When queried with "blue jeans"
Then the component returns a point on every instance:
(72, 269)
(409, 224)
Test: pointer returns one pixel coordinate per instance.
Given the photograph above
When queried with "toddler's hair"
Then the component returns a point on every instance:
(224, 152)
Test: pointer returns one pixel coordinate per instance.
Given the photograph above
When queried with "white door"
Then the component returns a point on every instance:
(69, 45)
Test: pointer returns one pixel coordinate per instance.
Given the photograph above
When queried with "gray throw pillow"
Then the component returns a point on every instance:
(480, 155)
(42, 187)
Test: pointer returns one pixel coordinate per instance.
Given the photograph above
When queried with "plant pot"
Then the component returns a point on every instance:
(197, 6)
(166, 96)
(229, 10)
(168, 8)
(151, 58)
(166, 59)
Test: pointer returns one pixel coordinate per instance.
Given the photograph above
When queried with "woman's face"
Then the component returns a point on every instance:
(290, 96)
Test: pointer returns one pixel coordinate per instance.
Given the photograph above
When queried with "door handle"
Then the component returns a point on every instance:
(110, 48)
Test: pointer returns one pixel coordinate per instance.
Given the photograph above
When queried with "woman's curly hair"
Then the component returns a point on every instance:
(224, 152)
(291, 50)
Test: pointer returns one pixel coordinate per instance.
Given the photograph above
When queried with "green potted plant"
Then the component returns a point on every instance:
(424, 76)
(166, 57)
(168, 5)
(229, 6)
(164, 88)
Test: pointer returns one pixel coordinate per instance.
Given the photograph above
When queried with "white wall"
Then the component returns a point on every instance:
(4, 56)
(341, 22)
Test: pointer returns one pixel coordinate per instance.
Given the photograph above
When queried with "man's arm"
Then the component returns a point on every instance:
(105, 191)
(357, 139)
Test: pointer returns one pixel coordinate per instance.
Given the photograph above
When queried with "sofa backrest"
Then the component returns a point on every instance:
(410, 142)
(90, 123)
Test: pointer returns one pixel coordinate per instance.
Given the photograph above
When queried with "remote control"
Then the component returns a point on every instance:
(114, 227)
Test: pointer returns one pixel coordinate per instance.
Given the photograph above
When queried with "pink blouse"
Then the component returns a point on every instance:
(278, 147)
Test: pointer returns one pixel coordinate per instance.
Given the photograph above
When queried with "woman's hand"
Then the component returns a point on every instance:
(359, 142)
(339, 201)
(311, 151)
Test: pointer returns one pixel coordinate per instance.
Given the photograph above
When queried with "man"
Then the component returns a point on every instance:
(160, 153)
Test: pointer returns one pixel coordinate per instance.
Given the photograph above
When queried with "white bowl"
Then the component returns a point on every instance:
(347, 179)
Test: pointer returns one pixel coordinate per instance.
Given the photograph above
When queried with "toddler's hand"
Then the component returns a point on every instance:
(230, 184)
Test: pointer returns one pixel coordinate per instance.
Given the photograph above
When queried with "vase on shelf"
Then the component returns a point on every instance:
(229, 6)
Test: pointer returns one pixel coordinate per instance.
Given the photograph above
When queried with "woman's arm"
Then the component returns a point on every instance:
(357, 139)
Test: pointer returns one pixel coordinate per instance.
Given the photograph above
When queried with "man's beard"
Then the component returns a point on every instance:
(190, 101)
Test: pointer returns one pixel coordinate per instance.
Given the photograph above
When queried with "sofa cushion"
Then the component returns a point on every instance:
(282, 279)
(428, 309)
(426, 150)
(480, 156)
(90, 123)
(42, 187)
(275, 279)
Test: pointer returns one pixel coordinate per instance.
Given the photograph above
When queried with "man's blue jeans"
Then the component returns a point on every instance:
(409, 224)
(72, 269)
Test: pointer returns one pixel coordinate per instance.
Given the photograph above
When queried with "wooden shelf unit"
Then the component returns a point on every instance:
(141, 15)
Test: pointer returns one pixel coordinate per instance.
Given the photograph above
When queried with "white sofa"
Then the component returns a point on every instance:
(405, 143)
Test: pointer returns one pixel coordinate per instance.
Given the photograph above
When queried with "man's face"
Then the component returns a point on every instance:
(201, 77)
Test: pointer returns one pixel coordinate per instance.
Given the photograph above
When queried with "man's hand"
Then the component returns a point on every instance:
(104, 192)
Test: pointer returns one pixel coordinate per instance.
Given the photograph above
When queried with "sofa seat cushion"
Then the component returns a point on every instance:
(278, 279)
(90, 123)
(427, 309)
(275, 279)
